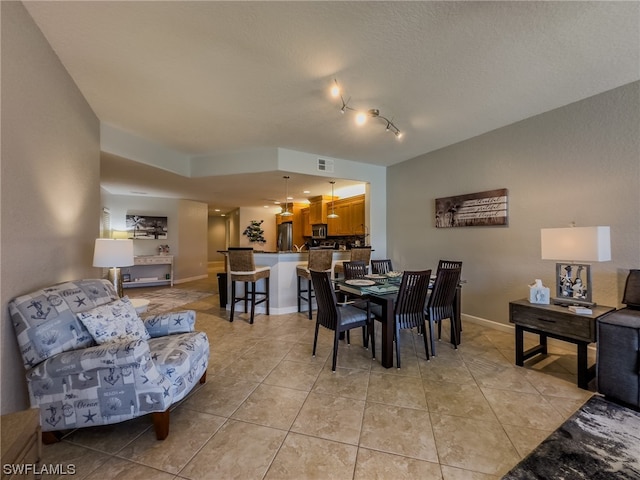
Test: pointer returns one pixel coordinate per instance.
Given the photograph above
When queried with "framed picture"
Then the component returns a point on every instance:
(573, 282)
(126, 277)
(141, 227)
(482, 209)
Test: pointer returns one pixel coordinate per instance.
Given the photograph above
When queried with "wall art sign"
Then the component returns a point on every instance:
(473, 210)
(142, 227)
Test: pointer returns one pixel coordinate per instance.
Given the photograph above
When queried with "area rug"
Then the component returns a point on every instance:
(600, 441)
(167, 299)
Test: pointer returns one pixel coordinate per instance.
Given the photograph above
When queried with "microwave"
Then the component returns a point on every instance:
(319, 230)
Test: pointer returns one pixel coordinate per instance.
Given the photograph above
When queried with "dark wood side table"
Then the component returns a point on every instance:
(556, 322)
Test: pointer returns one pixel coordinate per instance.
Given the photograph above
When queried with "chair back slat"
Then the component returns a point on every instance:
(320, 259)
(355, 269)
(448, 264)
(440, 303)
(327, 313)
(241, 259)
(409, 306)
(381, 266)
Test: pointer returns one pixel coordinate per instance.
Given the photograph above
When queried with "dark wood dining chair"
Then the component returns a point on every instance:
(381, 266)
(444, 264)
(448, 264)
(408, 309)
(356, 254)
(339, 318)
(355, 269)
(440, 303)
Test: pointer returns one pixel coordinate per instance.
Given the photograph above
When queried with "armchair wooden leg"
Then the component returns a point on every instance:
(161, 424)
(203, 378)
(49, 438)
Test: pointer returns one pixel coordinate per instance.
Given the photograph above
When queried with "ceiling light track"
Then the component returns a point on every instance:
(362, 115)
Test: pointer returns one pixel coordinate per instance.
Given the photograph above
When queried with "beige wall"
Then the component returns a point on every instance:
(187, 229)
(217, 235)
(577, 163)
(50, 190)
(192, 240)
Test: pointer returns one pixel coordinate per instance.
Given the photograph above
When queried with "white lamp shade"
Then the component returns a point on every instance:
(587, 244)
(111, 253)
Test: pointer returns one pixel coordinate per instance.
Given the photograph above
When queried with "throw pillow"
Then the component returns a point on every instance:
(114, 322)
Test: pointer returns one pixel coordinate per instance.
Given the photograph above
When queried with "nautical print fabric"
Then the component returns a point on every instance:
(170, 323)
(45, 321)
(79, 384)
(114, 322)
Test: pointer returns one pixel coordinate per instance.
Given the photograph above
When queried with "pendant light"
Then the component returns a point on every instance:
(333, 213)
(286, 212)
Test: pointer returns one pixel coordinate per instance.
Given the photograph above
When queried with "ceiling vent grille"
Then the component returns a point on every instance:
(325, 165)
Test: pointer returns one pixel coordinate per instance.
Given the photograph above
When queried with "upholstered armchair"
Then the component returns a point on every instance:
(618, 353)
(90, 360)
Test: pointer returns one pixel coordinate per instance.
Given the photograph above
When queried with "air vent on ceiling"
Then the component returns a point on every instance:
(325, 165)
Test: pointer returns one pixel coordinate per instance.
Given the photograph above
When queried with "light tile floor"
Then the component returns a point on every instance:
(269, 410)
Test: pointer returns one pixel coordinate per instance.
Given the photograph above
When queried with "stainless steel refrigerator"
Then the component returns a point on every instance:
(285, 237)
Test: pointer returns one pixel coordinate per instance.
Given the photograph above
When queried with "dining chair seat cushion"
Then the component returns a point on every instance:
(252, 272)
(251, 276)
(350, 314)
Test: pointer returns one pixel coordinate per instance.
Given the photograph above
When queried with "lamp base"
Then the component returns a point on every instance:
(115, 277)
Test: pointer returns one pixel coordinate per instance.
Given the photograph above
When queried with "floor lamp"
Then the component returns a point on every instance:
(113, 254)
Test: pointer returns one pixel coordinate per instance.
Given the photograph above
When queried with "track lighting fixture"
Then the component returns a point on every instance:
(361, 116)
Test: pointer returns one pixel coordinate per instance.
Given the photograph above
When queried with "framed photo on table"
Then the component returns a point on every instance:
(573, 282)
(126, 277)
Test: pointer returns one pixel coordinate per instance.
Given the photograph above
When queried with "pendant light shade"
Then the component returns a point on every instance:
(286, 212)
(333, 213)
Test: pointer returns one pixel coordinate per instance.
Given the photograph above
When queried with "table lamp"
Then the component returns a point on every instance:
(112, 254)
(575, 244)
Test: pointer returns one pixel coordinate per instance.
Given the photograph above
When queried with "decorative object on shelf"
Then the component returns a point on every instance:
(539, 293)
(254, 232)
(362, 115)
(142, 227)
(163, 249)
(286, 212)
(483, 209)
(587, 244)
(112, 254)
(333, 213)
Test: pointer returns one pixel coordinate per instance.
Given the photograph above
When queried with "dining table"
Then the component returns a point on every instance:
(383, 290)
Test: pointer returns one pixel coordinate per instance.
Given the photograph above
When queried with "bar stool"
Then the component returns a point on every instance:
(319, 260)
(242, 268)
(360, 254)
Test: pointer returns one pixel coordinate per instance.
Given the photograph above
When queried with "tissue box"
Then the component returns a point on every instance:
(539, 294)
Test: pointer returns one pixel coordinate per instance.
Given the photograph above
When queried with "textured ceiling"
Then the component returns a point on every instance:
(210, 77)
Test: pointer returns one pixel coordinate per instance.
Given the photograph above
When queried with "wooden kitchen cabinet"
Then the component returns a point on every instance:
(318, 209)
(350, 219)
(304, 220)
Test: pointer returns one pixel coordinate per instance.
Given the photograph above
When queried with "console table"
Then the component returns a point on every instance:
(149, 270)
(556, 322)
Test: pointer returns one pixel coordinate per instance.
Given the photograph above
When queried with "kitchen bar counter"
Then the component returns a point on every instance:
(283, 280)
